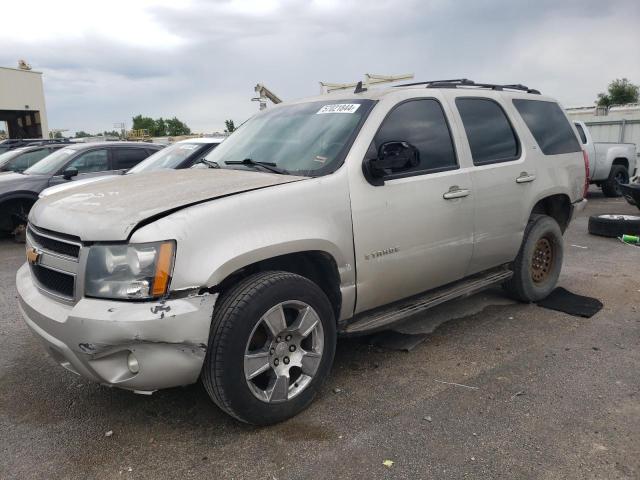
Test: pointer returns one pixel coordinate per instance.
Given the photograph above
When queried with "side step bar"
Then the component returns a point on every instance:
(382, 317)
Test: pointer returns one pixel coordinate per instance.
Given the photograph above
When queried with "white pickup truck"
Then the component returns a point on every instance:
(610, 164)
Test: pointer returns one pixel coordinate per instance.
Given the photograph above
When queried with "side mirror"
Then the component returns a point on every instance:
(69, 173)
(392, 157)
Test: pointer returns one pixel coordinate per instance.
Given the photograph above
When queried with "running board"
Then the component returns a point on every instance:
(389, 314)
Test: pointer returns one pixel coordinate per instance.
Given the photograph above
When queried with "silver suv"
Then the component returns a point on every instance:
(338, 214)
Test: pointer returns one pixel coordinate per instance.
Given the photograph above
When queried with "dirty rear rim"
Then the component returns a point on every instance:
(283, 352)
(542, 260)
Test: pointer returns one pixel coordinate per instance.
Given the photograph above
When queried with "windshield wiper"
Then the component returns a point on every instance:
(208, 163)
(272, 167)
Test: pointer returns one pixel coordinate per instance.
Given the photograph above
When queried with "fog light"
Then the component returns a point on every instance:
(132, 363)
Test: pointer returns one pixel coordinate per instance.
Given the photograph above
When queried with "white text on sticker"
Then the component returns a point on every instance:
(339, 108)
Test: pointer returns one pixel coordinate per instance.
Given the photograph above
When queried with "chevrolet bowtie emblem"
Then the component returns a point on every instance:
(33, 255)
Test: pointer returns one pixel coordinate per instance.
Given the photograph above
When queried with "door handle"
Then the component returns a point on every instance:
(456, 192)
(525, 178)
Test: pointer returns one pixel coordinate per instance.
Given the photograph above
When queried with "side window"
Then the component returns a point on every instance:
(125, 158)
(92, 161)
(583, 136)
(421, 123)
(548, 125)
(490, 134)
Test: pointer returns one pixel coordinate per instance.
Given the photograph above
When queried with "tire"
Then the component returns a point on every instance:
(614, 226)
(239, 319)
(537, 267)
(617, 175)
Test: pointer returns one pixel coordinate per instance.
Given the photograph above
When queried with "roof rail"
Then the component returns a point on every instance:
(464, 82)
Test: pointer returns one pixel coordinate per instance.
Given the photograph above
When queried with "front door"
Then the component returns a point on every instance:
(415, 232)
(89, 164)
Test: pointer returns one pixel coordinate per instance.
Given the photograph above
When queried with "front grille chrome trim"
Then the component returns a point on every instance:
(55, 261)
(33, 231)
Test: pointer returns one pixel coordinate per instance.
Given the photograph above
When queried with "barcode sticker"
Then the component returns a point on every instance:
(339, 108)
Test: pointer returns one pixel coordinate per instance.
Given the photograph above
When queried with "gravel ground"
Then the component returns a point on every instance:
(554, 396)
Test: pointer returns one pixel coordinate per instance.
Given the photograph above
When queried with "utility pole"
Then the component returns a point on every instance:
(123, 130)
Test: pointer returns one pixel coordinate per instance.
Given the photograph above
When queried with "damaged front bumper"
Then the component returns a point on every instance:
(140, 346)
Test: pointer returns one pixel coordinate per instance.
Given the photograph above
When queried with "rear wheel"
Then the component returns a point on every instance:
(618, 175)
(537, 267)
(271, 346)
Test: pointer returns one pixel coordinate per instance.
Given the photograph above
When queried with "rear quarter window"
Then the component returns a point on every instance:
(548, 125)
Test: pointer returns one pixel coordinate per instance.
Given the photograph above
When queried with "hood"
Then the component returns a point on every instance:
(73, 184)
(13, 182)
(111, 209)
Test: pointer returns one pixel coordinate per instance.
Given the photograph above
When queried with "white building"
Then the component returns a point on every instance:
(619, 124)
(22, 105)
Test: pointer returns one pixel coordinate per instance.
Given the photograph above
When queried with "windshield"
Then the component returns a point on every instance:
(5, 156)
(308, 139)
(52, 163)
(25, 159)
(169, 157)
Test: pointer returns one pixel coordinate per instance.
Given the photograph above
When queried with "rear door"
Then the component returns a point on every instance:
(414, 232)
(503, 178)
(124, 158)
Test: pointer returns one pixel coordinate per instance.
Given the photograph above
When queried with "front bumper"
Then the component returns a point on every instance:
(94, 338)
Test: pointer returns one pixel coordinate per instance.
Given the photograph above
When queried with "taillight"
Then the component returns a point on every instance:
(585, 156)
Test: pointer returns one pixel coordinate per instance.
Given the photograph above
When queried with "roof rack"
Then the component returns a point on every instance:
(464, 82)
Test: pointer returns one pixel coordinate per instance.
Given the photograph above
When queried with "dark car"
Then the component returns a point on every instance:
(19, 191)
(11, 143)
(19, 159)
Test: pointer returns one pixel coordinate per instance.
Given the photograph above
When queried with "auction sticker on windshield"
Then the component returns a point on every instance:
(339, 108)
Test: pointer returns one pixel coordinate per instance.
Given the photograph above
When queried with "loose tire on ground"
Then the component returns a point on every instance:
(617, 175)
(537, 267)
(252, 309)
(614, 225)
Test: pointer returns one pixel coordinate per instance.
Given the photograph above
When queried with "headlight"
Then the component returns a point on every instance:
(137, 271)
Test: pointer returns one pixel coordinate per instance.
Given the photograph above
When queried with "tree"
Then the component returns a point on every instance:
(175, 128)
(230, 127)
(619, 92)
(144, 123)
(82, 134)
(112, 133)
(160, 127)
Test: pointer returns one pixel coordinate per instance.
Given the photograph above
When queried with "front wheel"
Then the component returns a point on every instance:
(537, 267)
(271, 346)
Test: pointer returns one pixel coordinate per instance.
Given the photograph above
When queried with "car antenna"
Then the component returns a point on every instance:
(359, 88)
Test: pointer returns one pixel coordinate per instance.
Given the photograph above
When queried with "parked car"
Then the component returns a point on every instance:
(11, 143)
(19, 191)
(182, 154)
(339, 214)
(19, 159)
(610, 164)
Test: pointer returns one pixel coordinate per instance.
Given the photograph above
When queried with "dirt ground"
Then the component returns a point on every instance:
(553, 397)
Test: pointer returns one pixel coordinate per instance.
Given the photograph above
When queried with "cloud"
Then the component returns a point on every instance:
(200, 60)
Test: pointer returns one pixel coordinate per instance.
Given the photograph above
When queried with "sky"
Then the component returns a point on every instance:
(104, 62)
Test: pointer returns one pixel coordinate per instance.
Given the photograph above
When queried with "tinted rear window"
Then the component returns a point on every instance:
(548, 125)
(490, 134)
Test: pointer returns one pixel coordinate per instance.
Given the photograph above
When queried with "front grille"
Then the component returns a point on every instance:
(53, 281)
(55, 245)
